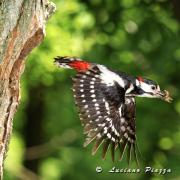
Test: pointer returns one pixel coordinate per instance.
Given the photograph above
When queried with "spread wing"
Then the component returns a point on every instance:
(107, 115)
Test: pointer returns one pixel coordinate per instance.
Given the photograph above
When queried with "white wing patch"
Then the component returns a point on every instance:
(108, 77)
(130, 89)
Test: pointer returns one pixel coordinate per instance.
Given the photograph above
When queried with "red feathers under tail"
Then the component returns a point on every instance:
(72, 63)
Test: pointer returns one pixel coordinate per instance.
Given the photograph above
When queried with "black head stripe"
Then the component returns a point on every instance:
(150, 82)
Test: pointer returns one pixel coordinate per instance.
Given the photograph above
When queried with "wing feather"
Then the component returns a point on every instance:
(105, 148)
(108, 116)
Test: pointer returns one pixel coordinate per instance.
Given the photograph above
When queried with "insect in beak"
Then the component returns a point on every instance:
(164, 95)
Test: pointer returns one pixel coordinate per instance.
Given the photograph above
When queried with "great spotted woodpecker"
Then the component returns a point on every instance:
(106, 102)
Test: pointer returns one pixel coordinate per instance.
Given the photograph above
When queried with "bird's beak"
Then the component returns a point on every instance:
(164, 95)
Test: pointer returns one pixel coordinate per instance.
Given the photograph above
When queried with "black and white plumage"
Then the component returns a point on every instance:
(106, 102)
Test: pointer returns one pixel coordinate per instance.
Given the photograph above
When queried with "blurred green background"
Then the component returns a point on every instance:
(140, 37)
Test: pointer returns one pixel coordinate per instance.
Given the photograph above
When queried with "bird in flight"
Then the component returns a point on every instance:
(106, 103)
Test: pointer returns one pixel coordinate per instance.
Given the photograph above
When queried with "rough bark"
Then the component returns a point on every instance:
(22, 27)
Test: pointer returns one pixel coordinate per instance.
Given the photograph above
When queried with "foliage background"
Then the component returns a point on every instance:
(140, 37)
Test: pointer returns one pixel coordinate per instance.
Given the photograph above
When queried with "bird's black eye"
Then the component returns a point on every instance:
(153, 87)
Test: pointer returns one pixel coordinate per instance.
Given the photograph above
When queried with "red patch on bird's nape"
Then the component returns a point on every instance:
(139, 78)
(80, 65)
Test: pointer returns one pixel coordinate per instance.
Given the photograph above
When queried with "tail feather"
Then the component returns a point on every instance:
(72, 63)
(64, 61)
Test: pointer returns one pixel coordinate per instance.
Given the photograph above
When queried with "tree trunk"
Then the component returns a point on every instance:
(22, 27)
